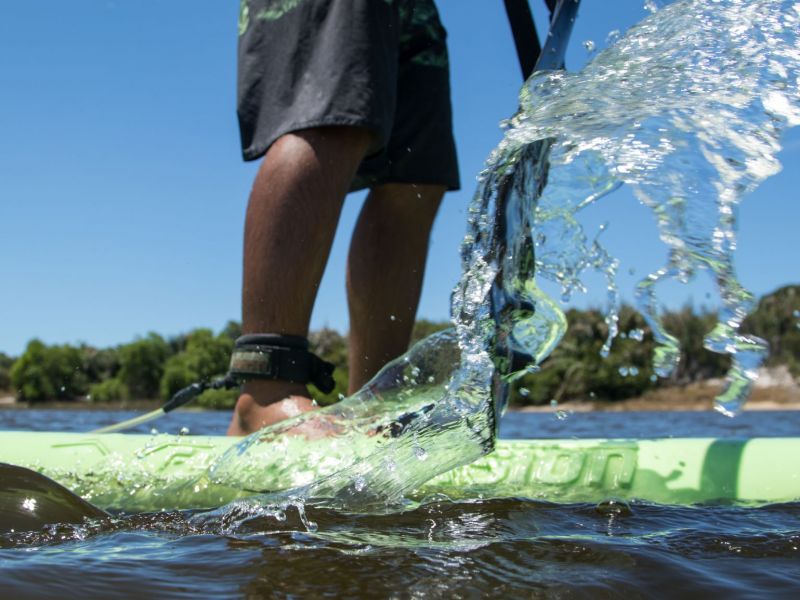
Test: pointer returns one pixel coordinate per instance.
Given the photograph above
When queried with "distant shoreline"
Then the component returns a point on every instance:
(693, 397)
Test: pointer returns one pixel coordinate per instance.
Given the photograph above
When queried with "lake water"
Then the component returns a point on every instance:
(512, 547)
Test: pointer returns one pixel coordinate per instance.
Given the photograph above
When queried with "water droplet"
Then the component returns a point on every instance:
(653, 377)
(154, 431)
(431, 379)
(614, 506)
(360, 483)
(341, 397)
(623, 371)
(392, 318)
(562, 414)
(651, 6)
(524, 392)
(183, 431)
(420, 453)
(636, 334)
(590, 46)
(612, 36)
(633, 371)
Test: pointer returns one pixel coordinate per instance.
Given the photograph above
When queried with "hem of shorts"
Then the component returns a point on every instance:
(256, 152)
(451, 187)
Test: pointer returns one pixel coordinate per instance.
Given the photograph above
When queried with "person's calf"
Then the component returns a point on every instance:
(386, 266)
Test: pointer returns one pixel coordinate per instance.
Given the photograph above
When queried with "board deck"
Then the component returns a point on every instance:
(153, 472)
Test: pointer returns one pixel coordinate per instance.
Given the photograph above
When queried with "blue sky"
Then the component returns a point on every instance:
(122, 191)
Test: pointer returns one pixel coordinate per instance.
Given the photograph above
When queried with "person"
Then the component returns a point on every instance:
(337, 96)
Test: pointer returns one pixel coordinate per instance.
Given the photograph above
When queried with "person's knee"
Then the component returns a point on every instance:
(337, 141)
(403, 203)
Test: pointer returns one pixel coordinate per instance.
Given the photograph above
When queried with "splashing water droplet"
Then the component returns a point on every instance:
(420, 453)
(183, 431)
(636, 334)
(524, 392)
(590, 46)
(615, 506)
(651, 6)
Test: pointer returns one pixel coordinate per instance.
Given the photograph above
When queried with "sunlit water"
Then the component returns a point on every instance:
(686, 109)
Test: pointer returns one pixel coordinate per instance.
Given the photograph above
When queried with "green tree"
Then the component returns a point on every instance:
(576, 370)
(109, 390)
(696, 363)
(232, 329)
(206, 356)
(49, 373)
(100, 364)
(6, 362)
(142, 365)
(777, 320)
(423, 328)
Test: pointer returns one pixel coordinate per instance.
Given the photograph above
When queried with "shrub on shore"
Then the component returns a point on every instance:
(154, 368)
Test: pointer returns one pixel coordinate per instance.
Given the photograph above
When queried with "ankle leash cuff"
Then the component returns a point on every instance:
(284, 357)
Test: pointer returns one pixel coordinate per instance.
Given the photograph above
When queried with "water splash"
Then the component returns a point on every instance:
(687, 109)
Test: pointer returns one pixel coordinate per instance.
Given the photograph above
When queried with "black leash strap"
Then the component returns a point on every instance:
(265, 356)
(285, 357)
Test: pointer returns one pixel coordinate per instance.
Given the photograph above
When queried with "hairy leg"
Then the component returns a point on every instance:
(291, 220)
(385, 268)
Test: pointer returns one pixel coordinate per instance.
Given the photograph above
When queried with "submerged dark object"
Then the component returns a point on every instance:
(29, 501)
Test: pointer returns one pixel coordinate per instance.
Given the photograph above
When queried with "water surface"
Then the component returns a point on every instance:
(443, 549)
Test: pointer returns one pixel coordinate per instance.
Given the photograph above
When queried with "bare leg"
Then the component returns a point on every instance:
(385, 268)
(291, 220)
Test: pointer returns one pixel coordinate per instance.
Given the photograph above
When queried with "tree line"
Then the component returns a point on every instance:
(154, 367)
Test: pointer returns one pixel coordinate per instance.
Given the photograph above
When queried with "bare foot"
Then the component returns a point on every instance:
(265, 403)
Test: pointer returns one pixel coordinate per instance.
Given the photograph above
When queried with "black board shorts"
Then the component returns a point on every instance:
(378, 64)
